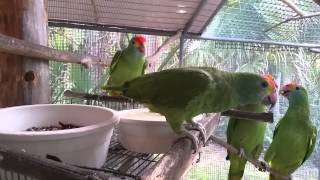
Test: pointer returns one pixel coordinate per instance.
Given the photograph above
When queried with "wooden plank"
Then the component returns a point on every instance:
(11, 81)
(45, 169)
(179, 159)
(23, 48)
(36, 72)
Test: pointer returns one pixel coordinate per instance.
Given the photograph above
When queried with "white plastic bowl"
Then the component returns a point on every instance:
(85, 146)
(143, 131)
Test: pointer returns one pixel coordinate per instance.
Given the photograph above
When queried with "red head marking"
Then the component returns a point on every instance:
(140, 39)
(269, 78)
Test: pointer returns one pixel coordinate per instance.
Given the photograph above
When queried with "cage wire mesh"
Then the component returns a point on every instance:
(286, 63)
(235, 20)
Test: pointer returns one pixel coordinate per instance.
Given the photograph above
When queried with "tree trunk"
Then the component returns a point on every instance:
(36, 72)
(11, 80)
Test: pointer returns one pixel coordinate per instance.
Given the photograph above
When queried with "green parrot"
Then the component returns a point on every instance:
(180, 94)
(294, 137)
(248, 136)
(127, 64)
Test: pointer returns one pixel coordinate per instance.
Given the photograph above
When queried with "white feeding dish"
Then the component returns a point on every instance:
(86, 146)
(146, 132)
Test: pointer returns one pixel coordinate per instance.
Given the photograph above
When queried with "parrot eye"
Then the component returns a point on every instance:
(132, 42)
(264, 84)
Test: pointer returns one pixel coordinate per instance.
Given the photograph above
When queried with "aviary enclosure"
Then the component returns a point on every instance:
(276, 37)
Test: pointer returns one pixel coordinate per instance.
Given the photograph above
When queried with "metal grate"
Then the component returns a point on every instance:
(127, 163)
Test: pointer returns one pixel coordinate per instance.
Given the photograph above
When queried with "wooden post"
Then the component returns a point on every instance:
(23, 82)
(11, 83)
(36, 72)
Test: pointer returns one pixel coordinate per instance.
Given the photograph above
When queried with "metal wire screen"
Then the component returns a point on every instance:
(284, 62)
(252, 19)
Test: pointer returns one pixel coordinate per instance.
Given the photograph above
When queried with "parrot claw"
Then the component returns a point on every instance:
(197, 126)
(193, 139)
(241, 153)
(199, 157)
(264, 165)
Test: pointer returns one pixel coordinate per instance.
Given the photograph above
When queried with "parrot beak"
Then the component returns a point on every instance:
(271, 99)
(141, 48)
(286, 89)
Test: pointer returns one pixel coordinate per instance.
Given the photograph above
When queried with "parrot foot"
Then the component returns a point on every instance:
(196, 126)
(241, 153)
(264, 165)
(193, 139)
(199, 157)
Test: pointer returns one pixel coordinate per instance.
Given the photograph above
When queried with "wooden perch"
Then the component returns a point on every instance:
(23, 48)
(174, 164)
(97, 97)
(266, 117)
(165, 45)
(253, 161)
(293, 19)
(44, 169)
(301, 14)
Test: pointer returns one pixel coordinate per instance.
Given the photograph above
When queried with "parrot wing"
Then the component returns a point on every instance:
(232, 124)
(115, 61)
(169, 88)
(311, 143)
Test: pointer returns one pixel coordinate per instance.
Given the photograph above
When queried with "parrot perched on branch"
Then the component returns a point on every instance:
(294, 137)
(180, 94)
(248, 136)
(127, 64)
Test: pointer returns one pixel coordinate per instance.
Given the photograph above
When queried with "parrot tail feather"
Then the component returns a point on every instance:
(235, 176)
(273, 177)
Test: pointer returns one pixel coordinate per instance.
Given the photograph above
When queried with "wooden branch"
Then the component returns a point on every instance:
(165, 45)
(293, 7)
(44, 169)
(265, 117)
(97, 97)
(174, 164)
(315, 50)
(293, 19)
(301, 13)
(256, 163)
(23, 48)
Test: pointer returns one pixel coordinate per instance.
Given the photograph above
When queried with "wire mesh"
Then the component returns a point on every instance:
(126, 163)
(251, 19)
(286, 63)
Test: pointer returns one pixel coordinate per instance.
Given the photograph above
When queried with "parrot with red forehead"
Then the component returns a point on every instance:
(294, 137)
(248, 136)
(183, 93)
(127, 64)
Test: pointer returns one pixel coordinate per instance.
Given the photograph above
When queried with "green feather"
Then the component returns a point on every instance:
(180, 94)
(294, 137)
(248, 135)
(126, 65)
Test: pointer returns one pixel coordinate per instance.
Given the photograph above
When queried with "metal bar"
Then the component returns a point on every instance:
(110, 28)
(296, 45)
(193, 17)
